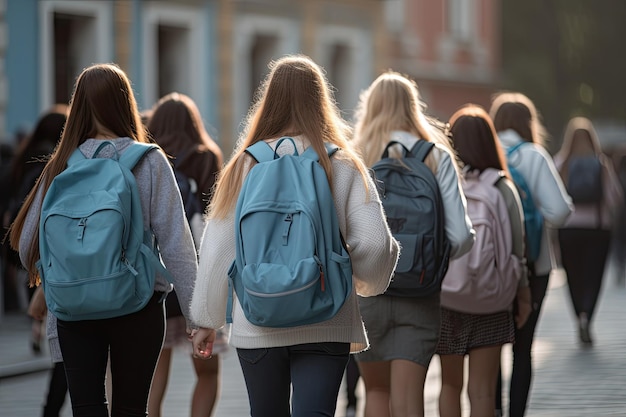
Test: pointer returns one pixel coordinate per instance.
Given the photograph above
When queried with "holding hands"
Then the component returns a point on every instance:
(202, 340)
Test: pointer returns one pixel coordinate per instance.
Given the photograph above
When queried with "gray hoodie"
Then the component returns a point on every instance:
(162, 211)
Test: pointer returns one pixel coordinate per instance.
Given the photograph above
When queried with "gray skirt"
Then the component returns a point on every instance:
(400, 328)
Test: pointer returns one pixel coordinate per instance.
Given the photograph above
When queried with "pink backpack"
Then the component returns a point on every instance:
(485, 279)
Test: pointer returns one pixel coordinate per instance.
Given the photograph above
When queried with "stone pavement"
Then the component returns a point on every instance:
(570, 380)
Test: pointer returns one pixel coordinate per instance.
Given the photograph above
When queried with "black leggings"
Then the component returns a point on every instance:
(57, 391)
(522, 373)
(584, 253)
(133, 342)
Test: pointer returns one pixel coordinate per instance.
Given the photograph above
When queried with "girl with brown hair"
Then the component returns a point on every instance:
(517, 121)
(480, 336)
(176, 125)
(103, 107)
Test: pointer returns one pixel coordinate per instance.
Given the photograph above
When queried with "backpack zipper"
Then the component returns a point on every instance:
(319, 264)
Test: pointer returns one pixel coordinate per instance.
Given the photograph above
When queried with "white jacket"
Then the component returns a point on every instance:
(535, 164)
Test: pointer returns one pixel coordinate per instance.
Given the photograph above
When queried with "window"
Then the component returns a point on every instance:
(461, 19)
(174, 53)
(73, 36)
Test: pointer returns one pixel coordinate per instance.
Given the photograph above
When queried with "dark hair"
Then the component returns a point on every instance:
(515, 111)
(102, 101)
(41, 142)
(475, 139)
(176, 125)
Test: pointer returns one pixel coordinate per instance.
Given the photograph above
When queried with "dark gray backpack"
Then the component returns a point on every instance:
(412, 201)
(584, 179)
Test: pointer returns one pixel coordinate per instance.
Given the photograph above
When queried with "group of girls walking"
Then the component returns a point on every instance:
(297, 371)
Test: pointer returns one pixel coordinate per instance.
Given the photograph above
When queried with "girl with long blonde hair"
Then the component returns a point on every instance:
(296, 370)
(404, 331)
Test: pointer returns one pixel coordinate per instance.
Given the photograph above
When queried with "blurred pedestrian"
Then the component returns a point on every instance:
(295, 370)
(352, 376)
(103, 107)
(517, 120)
(176, 125)
(30, 158)
(57, 383)
(404, 331)
(619, 239)
(481, 336)
(585, 237)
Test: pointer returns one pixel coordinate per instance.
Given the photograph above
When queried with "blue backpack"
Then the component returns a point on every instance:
(533, 220)
(96, 260)
(291, 266)
(412, 201)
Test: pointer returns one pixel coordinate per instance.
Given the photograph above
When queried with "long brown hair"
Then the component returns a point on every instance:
(102, 102)
(511, 110)
(175, 123)
(475, 140)
(295, 98)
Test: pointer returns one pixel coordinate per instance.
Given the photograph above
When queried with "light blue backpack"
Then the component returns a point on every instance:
(291, 266)
(97, 261)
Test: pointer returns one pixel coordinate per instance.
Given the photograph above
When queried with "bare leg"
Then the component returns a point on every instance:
(407, 388)
(207, 386)
(484, 365)
(451, 385)
(376, 378)
(159, 383)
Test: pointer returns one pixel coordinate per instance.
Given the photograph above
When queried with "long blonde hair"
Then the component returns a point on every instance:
(391, 103)
(102, 98)
(294, 99)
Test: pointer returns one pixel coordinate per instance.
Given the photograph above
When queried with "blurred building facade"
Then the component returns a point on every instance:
(217, 51)
(450, 47)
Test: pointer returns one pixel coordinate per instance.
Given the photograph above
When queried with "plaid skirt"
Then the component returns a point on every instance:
(462, 332)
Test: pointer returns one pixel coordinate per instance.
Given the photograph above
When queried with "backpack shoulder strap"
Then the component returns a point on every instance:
(515, 147)
(261, 151)
(131, 156)
(491, 176)
(421, 149)
(312, 154)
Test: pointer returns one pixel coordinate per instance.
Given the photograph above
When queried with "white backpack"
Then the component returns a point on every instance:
(485, 279)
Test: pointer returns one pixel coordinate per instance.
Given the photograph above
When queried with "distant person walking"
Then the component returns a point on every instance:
(585, 237)
(294, 370)
(404, 331)
(176, 125)
(30, 158)
(103, 108)
(518, 123)
(480, 325)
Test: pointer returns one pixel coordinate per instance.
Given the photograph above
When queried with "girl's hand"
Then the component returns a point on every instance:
(202, 340)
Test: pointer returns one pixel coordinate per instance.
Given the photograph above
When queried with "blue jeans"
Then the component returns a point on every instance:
(313, 370)
(133, 343)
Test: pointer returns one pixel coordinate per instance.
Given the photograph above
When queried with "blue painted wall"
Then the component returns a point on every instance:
(22, 65)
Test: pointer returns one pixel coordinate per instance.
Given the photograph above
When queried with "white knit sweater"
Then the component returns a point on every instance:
(373, 252)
